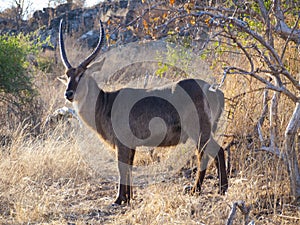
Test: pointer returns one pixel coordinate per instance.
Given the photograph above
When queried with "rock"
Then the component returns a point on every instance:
(62, 9)
(126, 36)
(90, 38)
(123, 4)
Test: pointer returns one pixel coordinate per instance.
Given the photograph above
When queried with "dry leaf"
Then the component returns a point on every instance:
(193, 21)
(207, 21)
(145, 24)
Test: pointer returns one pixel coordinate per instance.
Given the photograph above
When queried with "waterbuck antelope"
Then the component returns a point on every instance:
(128, 118)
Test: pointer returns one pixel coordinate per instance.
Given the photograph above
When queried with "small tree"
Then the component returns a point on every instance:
(16, 89)
(252, 29)
(18, 11)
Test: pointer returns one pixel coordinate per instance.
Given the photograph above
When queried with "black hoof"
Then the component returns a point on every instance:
(120, 201)
(191, 190)
(115, 205)
(187, 189)
(223, 190)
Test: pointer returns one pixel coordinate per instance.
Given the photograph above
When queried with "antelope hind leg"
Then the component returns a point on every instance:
(202, 163)
(212, 149)
(221, 168)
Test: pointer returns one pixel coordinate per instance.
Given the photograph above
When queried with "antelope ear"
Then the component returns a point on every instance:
(96, 66)
(63, 79)
(100, 64)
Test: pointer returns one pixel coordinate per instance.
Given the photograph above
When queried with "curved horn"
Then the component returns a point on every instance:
(62, 48)
(93, 55)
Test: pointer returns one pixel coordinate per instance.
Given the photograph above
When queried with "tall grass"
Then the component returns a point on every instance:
(34, 171)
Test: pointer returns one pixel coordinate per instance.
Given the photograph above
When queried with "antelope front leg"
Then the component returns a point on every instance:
(125, 158)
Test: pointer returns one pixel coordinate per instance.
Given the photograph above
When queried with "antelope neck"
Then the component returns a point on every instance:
(85, 106)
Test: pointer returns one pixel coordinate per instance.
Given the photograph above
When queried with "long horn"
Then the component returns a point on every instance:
(93, 55)
(62, 47)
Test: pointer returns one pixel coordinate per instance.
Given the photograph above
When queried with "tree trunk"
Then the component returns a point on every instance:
(291, 154)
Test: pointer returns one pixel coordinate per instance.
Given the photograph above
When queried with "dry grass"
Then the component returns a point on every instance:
(66, 175)
(50, 181)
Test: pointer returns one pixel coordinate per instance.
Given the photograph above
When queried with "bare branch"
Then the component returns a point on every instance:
(269, 85)
(289, 37)
(274, 119)
(155, 6)
(246, 10)
(219, 20)
(281, 27)
(243, 49)
(263, 11)
(267, 21)
(265, 58)
(222, 19)
(263, 116)
(276, 151)
(244, 210)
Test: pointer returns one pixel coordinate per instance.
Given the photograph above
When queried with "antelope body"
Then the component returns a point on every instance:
(128, 118)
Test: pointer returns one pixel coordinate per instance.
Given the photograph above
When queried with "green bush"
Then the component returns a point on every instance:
(14, 75)
(17, 93)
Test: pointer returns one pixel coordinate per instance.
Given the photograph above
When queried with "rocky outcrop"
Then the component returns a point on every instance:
(79, 22)
(124, 22)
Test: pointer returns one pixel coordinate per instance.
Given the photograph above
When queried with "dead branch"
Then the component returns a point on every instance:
(263, 116)
(248, 56)
(244, 210)
(276, 151)
(219, 20)
(282, 28)
(289, 37)
(269, 85)
(274, 119)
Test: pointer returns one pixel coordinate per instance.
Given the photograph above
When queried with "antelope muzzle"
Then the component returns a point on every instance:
(69, 95)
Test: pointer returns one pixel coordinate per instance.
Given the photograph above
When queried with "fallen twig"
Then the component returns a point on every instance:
(243, 208)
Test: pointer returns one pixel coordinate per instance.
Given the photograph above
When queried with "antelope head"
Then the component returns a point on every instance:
(77, 74)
